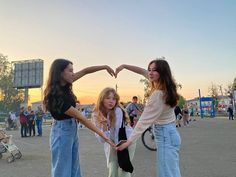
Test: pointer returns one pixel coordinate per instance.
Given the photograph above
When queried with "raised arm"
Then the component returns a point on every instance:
(93, 69)
(135, 69)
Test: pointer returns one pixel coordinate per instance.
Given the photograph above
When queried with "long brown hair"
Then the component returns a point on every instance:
(99, 106)
(165, 82)
(53, 94)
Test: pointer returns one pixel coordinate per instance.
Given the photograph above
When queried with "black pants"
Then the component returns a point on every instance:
(231, 117)
(31, 128)
(131, 121)
(23, 130)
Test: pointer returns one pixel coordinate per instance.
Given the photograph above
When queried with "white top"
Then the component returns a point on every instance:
(113, 132)
(155, 112)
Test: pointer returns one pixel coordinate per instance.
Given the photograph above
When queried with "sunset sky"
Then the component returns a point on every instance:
(198, 39)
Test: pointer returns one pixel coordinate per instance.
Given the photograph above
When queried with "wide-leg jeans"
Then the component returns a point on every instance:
(64, 145)
(168, 143)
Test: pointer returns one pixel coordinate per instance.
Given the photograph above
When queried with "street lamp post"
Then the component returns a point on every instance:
(200, 103)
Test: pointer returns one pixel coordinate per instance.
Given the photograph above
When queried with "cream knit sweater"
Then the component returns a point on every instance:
(155, 112)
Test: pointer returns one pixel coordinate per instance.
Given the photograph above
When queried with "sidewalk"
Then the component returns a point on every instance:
(208, 150)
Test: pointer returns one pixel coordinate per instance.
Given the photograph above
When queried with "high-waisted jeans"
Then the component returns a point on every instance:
(64, 146)
(168, 145)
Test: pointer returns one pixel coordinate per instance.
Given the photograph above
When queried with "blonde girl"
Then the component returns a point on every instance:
(107, 116)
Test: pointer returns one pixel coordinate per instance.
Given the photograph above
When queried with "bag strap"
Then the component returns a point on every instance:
(123, 119)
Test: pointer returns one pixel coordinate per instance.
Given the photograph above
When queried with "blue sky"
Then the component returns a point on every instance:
(198, 39)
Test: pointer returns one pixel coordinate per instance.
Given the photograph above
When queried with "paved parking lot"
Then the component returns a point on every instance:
(208, 150)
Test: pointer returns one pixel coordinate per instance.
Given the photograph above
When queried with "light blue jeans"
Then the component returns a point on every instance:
(168, 145)
(39, 127)
(64, 146)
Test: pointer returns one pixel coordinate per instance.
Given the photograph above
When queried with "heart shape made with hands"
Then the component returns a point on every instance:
(116, 71)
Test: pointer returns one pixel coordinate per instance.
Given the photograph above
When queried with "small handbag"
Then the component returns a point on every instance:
(123, 156)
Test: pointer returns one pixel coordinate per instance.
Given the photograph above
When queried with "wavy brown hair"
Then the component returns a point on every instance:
(165, 82)
(53, 94)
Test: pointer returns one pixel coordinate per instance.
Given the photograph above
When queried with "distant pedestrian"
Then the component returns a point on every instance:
(39, 120)
(185, 114)
(23, 123)
(31, 123)
(178, 115)
(230, 112)
(133, 110)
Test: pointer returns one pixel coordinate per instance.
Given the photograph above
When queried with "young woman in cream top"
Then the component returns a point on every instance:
(159, 111)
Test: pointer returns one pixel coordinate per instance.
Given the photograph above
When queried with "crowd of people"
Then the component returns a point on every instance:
(29, 119)
(183, 116)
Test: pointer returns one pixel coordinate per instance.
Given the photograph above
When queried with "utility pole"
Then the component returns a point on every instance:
(220, 86)
(200, 101)
(116, 87)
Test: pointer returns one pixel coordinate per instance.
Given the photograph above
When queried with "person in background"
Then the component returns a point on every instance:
(60, 101)
(178, 115)
(133, 110)
(185, 114)
(108, 116)
(159, 110)
(27, 114)
(23, 122)
(39, 120)
(231, 112)
(31, 123)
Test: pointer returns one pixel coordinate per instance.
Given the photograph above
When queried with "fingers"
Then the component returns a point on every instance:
(111, 143)
(118, 69)
(110, 71)
(122, 146)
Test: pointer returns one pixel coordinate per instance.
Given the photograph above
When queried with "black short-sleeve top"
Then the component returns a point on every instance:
(68, 101)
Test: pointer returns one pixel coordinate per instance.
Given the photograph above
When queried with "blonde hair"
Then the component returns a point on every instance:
(99, 106)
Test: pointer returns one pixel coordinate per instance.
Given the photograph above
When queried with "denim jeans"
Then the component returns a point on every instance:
(39, 127)
(64, 146)
(168, 145)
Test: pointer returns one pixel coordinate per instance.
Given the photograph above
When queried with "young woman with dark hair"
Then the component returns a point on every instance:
(60, 101)
(159, 111)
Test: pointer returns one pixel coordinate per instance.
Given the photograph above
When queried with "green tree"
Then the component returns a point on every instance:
(228, 90)
(234, 84)
(10, 98)
(181, 101)
(147, 87)
(214, 93)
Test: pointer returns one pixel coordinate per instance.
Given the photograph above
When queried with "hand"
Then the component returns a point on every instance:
(103, 122)
(123, 146)
(110, 71)
(112, 144)
(120, 142)
(121, 67)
